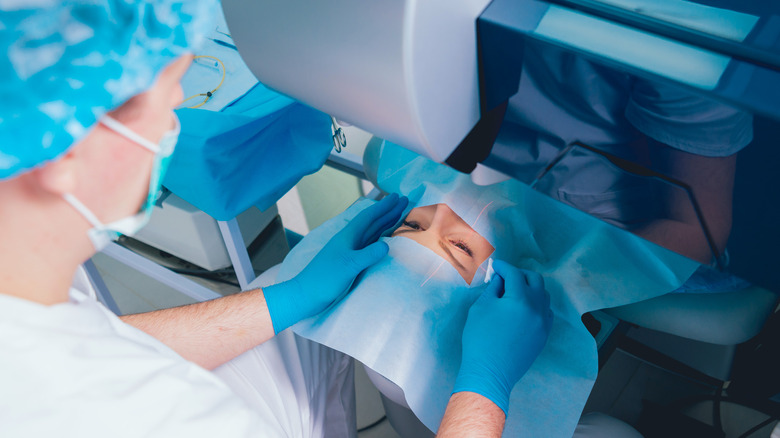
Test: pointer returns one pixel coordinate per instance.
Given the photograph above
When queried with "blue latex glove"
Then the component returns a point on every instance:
(506, 328)
(328, 276)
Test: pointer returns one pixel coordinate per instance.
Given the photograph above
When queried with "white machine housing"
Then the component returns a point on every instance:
(179, 228)
(404, 70)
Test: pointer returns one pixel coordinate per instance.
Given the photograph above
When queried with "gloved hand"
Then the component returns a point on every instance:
(326, 278)
(505, 330)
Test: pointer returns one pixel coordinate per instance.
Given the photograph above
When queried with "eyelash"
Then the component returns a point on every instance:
(412, 225)
(457, 243)
(462, 246)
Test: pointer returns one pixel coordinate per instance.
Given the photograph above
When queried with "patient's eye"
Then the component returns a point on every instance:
(411, 224)
(462, 246)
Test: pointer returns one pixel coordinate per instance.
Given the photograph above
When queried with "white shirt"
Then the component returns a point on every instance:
(75, 369)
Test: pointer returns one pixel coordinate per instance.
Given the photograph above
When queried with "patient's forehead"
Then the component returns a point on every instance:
(440, 208)
(445, 215)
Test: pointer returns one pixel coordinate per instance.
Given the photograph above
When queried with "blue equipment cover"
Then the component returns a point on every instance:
(249, 153)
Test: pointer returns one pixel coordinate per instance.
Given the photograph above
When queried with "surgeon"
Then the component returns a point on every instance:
(87, 129)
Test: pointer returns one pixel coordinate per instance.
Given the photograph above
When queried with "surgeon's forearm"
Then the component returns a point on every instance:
(471, 415)
(212, 332)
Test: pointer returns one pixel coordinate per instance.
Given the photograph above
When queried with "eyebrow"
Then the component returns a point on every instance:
(452, 257)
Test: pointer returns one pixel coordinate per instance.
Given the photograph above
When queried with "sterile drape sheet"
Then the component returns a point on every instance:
(404, 316)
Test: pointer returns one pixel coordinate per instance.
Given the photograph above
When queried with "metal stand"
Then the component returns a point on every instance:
(239, 256)
(103, 295)
(236, 249)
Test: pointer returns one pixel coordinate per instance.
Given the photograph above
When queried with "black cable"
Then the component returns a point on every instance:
(202, 271)
(218, 280)
(374, 424)
(195, 272)
(205, 275)
(757, 427)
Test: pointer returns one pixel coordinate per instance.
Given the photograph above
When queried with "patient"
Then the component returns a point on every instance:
(442, 231)
(404, 316)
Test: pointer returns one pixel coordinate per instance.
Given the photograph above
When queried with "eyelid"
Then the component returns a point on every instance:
(466, 251)
(412, 224)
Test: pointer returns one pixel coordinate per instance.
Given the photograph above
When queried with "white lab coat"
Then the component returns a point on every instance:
(75, 369)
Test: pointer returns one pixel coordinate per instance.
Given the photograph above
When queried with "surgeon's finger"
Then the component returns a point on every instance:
(495, 288)
(380, 224)
(512, 276)
(367, 217)
(385, 222)
(363, 258)
(533, 279)
(536, 294)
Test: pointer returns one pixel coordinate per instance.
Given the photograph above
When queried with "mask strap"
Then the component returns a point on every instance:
(126, 132)
(81, 208)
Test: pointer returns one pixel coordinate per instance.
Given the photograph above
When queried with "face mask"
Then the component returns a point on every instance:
(102, 234)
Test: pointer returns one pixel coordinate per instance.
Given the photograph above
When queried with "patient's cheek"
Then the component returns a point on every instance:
(484, 251)
(419, 238)
(467, 274)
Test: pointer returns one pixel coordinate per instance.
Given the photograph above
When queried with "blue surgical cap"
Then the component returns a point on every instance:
(67, 63)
